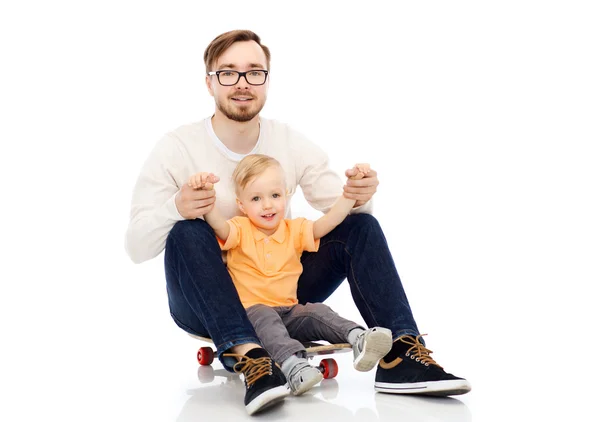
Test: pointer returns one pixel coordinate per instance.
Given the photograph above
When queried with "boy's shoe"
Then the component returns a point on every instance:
(303, 377)
(371, 346)
(265, 383)
(411, 370)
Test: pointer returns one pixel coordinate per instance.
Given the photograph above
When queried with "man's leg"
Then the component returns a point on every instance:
(357, 250)
(202, 297)
(204, 301)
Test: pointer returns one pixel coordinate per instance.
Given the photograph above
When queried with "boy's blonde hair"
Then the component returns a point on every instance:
(249, 167)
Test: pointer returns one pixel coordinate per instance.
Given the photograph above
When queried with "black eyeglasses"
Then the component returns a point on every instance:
(232, 77)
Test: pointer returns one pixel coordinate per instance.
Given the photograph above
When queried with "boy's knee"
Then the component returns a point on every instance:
(317, 308)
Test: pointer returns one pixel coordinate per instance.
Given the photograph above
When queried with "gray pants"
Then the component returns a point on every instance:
(282, 330)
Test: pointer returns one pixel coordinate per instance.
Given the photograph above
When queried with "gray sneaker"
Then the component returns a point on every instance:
(371, 346)
(303, 377)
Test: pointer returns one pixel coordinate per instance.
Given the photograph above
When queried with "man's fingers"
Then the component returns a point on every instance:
(199, 212)
(195, 194)
(358, 196)
(364, 182)
(199, 203)
(199, 207)
(361, 190)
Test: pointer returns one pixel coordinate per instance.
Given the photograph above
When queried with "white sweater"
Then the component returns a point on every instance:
(195, 148)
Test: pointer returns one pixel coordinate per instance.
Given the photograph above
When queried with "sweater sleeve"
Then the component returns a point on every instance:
(320, 185)
(153, 209)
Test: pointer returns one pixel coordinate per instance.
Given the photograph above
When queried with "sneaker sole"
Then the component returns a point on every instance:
(267, 399)
(431, 388)
(308, 384)
(377, 345)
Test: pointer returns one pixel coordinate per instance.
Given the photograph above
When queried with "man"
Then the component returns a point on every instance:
(167, 214)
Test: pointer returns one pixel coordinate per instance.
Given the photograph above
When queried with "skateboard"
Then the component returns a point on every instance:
(327, 366)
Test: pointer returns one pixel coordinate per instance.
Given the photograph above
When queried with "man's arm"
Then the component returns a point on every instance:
(158, 202)
(153, 209)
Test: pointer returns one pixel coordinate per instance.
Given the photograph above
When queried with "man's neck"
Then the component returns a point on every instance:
(239, 137)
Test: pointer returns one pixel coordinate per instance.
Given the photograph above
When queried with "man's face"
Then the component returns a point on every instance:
(240, 102)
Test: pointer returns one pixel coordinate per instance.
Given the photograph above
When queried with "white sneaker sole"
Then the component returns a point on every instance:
(310, 381)
(378, 343)
(267, 399)
(430, 388)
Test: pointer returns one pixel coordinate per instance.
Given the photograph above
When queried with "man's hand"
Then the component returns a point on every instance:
(361, 184)
(197, 197)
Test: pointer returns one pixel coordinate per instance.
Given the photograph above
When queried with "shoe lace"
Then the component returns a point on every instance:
(253, 369)
(418, 350)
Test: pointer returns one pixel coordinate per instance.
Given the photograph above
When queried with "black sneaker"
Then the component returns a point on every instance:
(409, 369)
(265, 383)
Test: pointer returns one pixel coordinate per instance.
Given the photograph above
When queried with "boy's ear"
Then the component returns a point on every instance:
(240, 206)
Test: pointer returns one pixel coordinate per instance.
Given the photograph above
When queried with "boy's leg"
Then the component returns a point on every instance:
(272, 333)
(202, 297)
(317, 321)
(286, 351)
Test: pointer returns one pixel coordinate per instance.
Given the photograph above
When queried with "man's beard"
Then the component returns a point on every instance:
(242, 114)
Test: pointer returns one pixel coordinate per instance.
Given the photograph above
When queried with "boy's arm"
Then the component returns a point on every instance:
(341, 208)
(214, 218)
(218, 223)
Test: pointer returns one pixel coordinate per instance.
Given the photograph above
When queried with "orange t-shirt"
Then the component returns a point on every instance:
(265, 269)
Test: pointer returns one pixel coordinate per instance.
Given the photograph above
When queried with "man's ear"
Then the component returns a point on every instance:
(208, 80)
(240, 206)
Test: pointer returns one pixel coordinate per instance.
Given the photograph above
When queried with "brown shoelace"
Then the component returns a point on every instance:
(253, 369)
(417, 349)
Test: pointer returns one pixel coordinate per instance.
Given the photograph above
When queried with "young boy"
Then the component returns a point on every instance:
(263, 258)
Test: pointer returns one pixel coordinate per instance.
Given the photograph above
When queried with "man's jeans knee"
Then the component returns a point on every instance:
(202, 297)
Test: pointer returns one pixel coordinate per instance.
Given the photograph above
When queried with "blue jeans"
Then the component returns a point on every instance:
(203, 300)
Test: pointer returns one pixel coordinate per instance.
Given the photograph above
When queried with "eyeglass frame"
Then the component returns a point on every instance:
(240, 74)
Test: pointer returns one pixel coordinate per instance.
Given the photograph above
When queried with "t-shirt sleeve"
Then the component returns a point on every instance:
(302, 230)
(236, 228)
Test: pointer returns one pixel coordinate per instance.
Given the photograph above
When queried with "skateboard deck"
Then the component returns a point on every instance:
(328, 366)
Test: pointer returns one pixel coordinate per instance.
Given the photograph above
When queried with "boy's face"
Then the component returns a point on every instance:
(240, 102)
(263, 200)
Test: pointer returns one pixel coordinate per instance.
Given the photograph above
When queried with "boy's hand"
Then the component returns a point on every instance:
(362, 169)
(361, 184)
(197, 197)
(203, 180)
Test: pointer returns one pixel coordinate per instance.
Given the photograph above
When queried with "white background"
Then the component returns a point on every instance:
(481, 118)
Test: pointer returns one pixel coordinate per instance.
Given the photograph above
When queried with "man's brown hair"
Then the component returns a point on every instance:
(218, 46)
